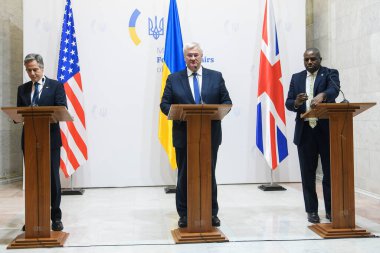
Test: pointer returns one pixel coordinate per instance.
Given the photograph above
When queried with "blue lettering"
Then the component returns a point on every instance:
(207, 59)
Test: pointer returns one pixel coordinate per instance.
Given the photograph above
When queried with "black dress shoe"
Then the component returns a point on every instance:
(23, 228)
(328, 216)
(215, 221)
(182, 222)
(313, 217)
(57, 225)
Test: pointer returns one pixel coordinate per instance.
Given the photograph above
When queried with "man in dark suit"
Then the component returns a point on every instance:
(194, 85)
(42, 91)
(308, 88)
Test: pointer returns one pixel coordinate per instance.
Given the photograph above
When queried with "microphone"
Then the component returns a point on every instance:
(336, 86)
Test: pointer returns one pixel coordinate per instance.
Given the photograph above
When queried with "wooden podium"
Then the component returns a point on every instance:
(37, 174)
(198, 117)
(342, 169)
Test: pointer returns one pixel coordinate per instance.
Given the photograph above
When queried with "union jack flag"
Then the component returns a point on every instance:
(271, 123)
(74, 147)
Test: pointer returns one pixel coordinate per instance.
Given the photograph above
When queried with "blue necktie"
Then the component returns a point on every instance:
(35, 95)
(197, 95)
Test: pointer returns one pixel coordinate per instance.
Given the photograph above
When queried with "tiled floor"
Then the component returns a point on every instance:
(140, 219)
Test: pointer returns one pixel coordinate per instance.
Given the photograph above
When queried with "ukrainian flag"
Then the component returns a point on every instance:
(173, 62)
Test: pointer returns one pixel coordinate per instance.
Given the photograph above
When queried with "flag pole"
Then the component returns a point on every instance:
(272, 186)
(271, 120)
(72, 190)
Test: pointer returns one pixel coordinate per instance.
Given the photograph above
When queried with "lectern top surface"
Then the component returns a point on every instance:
(57, 113)
(323, 110)
(214, 111)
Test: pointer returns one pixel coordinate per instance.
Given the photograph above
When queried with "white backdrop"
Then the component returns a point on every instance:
(122, 81)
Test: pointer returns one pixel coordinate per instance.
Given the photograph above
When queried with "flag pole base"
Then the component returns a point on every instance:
(271, 187)
(170, 189)
(72, 191)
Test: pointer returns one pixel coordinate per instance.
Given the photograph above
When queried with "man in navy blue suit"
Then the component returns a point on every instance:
(194, 85)
(308, 88)
(42, 91)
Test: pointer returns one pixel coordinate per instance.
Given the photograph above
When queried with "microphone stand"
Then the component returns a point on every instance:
(338, 87)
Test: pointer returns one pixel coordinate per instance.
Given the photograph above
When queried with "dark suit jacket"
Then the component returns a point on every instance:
(327, 81)
(53, 94)
(177, 91)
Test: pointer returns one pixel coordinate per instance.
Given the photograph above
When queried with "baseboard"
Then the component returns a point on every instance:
(357, 190)
(10, 180)
(367, 193)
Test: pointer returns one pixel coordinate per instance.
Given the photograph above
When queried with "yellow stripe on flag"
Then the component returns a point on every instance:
(165, 125)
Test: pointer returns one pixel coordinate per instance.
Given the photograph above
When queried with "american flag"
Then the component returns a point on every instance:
(74, 147)
(271, 124)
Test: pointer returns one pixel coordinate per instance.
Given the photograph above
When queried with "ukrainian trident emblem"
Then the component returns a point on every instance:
(156, 29)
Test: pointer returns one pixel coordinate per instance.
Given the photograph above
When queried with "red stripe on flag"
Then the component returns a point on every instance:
(76, 104)
(265, 29)
(77, 138)
(64, 168)
(269, 82)
(78, 79)
(70, 155)
(273, 145)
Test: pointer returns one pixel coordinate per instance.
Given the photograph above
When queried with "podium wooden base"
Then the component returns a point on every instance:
(56, 239)
(181, 235)
(326, 231)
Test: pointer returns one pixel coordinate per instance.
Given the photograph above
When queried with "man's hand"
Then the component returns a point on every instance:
(317, 99)
(300, 99)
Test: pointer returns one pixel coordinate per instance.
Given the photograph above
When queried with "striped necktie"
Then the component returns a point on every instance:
(312, 121)
(35, 97)
(197, 95)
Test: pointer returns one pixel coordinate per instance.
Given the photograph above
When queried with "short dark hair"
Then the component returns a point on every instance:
(314, 50)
